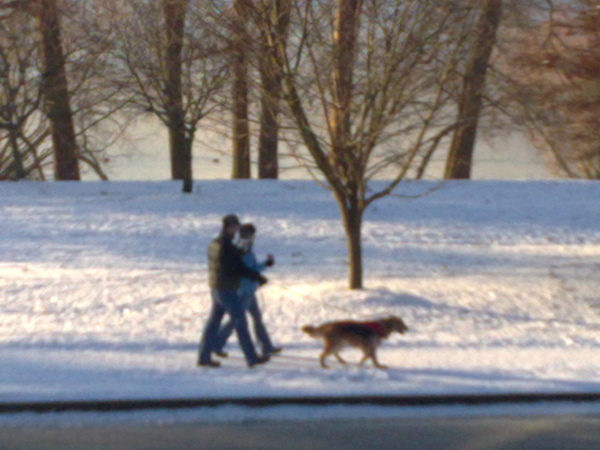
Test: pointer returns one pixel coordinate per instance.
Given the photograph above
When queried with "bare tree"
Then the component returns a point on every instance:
(55, 87)
(23, 129)
(97, 103)
(181, 147)
(271, 84)
(460, 155)
(241, 126)
(170, 60)
(551, 84)
(370, 92)
(58, 102)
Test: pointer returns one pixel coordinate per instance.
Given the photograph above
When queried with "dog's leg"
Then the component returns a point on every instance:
(328, 348)
(339, 358)
(322, 359)
(366, 347)
(331, 346)
(379, 366)
(370, 352)
(373, 357)
(364, 358)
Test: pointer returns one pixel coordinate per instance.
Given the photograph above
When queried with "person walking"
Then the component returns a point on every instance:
(225, 269)
(247, 294)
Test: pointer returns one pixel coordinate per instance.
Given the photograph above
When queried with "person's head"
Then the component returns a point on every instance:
(247, 233)
(231, 224)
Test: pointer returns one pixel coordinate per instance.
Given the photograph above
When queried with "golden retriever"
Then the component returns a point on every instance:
(364, 335)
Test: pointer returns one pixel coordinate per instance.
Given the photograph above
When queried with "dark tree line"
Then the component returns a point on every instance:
(187, 60)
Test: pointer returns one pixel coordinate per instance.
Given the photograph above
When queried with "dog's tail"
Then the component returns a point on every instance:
(311, 331)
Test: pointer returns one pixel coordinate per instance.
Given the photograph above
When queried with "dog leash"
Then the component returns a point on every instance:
(312, 298)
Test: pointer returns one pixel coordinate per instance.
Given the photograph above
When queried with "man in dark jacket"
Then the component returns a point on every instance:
(225, 269)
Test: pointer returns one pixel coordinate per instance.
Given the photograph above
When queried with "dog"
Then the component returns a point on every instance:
(364, 335)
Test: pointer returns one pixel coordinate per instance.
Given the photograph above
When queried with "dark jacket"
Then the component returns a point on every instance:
(226, 267)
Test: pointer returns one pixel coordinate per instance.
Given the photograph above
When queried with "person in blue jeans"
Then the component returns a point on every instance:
(225, 270)
(247, 294)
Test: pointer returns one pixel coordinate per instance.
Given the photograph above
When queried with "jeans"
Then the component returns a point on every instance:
(230, 303)
(259, 328)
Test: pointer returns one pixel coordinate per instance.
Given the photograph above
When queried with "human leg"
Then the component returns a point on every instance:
(236, 310)
(211, 328)
(260, 329)
(222, 337)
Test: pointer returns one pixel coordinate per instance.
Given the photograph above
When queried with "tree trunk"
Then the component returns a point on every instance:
(344, 38)
(188, 181)
(18, 165)
(268, 165)
(352, 220)
(180, 144)
(272, 84)
(241, 129)
(460, 156)
(58, 103)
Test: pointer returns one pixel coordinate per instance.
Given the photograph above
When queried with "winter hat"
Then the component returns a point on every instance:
(247, 230)
(230, 219)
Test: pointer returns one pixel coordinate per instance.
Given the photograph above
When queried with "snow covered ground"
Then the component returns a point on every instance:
(103, 288)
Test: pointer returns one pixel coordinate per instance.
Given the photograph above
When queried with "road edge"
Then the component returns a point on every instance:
(259, 402)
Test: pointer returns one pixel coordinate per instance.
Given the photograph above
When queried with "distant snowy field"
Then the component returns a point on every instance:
(103, 288)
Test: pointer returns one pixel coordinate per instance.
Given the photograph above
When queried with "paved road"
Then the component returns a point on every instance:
(472, 433)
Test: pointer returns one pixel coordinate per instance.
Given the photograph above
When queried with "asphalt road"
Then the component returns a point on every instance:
(579, 432)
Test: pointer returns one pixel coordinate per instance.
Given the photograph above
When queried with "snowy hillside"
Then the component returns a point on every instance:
(103, 288)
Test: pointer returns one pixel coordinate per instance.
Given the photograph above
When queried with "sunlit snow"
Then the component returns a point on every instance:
(103, 288)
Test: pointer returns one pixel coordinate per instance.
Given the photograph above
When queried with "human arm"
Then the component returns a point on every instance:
(234, 264)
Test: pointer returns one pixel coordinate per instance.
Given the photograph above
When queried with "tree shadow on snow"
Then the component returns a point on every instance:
(384, 298)
(485, 381)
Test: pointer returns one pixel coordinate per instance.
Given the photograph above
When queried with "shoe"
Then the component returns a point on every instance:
(209, 364)
(260, 360)
(275, 350)
(221, 354)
